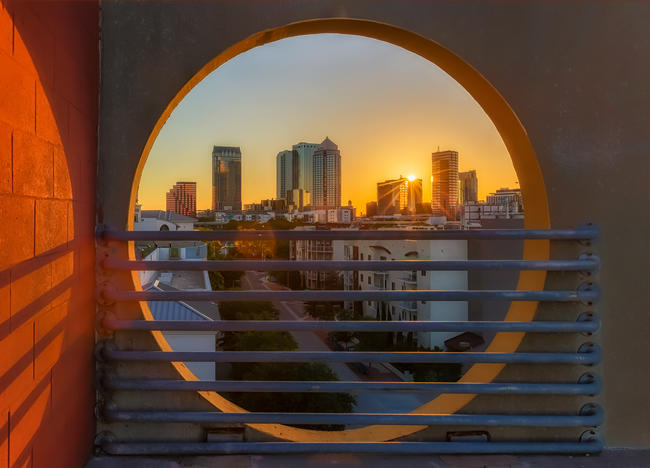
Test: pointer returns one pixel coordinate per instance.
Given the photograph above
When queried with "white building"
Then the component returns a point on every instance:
(187, 340)
(341, 215)
(159, 220)
(408, 280)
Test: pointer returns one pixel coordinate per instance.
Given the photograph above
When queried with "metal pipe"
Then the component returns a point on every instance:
(589, 264)
(424, 448)
(592, 419)
(587, 326)
(591, 295)
(592, 356)
(582, 233)
(591, 388)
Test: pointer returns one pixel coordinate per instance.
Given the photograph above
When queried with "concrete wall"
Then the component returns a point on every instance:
(48, 120)
(575, 74)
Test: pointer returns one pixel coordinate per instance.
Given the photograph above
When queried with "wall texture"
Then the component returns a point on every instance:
(48, 120)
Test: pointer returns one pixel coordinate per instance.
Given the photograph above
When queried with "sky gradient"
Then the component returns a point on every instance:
(386, 108)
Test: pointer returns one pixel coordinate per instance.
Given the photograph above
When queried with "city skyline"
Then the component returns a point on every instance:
(389, 113)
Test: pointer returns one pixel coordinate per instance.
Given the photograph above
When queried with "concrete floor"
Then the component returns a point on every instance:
(608, 459)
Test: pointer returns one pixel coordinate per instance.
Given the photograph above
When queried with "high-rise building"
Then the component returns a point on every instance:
(226, 178)
(298, 198)
(392, 196)
(181, 199)
(326, 168)
(444, 184)
(371, 209)
(287, 170)
(468, 186)
(398, 195)
(305, 155)
(414, 194)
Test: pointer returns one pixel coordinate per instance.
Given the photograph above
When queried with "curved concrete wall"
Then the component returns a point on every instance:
(48, 119)
(575, 73)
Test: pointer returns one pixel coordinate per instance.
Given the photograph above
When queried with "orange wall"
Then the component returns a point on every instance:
(48, 118)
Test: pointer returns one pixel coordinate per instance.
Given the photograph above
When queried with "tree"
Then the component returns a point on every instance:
(294, 402)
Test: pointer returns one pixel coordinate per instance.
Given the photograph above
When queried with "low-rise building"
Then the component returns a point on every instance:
(372, 250)
(159, 220)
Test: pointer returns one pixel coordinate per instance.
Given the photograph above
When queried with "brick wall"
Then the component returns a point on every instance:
(48, 119)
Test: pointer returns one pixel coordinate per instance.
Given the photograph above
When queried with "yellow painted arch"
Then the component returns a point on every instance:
(526, 167)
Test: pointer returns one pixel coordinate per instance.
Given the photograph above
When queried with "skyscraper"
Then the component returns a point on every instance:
(226, 178)
(396, 195)
(287, 170)
(468, 186)
(326, 189)
(181, 198)
(414, 194)
(444, 184)
(392, 196)
(305, 154)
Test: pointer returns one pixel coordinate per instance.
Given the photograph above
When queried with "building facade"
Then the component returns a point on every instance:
(226, 178)
(287, 172)
(444, 184)
(181, 199)
(304, 152)
(468, 182)
(510, 198)
(408, 280)
(392, 196)
(326, 187)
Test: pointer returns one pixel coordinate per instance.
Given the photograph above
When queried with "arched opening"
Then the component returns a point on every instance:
(524, 161)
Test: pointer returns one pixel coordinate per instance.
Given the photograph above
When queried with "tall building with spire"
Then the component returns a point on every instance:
(326, 188)
(444, 184)
(226, 178)
(181, 199)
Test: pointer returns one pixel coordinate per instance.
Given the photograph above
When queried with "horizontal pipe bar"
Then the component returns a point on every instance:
(589, 264)
(406, 448)
(583, 233)
(594, 418)
(584, 358)
(593, 387)
(374, 295)
(586, 326)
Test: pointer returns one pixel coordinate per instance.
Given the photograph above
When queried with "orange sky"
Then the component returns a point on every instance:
(387, 110)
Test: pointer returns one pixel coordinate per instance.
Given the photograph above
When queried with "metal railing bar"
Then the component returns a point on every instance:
(425, 448)
(582, 233)
(592, 388)
(590, 419)
(589, 264)
(591, 356)
(586, 326)
(584, 295)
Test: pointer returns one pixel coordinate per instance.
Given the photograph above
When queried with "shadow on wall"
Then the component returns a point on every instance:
(48, 119)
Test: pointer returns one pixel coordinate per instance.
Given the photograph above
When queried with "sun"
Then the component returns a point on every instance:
(411, 178)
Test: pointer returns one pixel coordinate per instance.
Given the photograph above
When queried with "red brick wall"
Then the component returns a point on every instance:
(48, 119)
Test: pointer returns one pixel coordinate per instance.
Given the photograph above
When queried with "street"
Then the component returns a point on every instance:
(384, 402)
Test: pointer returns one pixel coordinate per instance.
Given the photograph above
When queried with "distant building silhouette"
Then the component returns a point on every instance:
(468, 186)
(181, 199)
(444, 184)
(287, 172)
(371, 209)
(326, 191)
(399, 195)
(226, 178)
